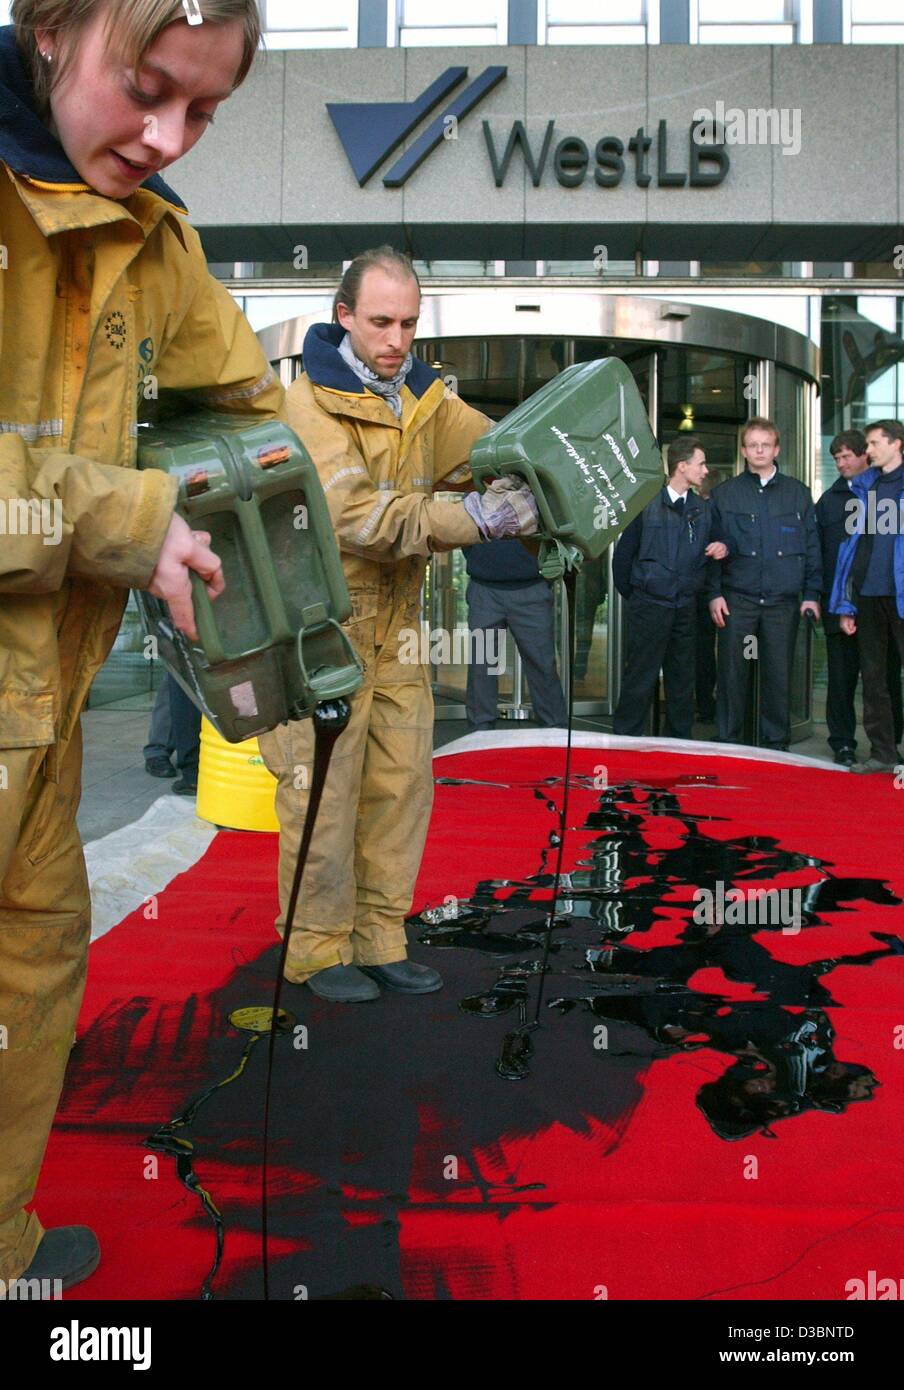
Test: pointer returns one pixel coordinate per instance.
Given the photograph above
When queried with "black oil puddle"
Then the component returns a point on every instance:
(782, 1044)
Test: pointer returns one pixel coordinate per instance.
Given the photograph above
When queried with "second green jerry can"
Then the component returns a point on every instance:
(584, 446)
(270, 646)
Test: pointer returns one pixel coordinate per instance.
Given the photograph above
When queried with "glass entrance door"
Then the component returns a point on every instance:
(598, 604)
(792, 411)
(495, 376)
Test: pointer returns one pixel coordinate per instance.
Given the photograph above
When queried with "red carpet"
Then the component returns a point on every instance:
(729, 1141)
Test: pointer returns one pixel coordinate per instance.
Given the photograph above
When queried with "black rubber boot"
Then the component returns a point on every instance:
(67, 1253)
(343, 984)
(159, 767)
(405, 977)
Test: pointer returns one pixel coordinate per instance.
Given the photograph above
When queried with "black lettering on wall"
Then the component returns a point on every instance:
(665, 177)
(639, 145)
(610, 165)
(570, 161)
(518, 136)
(712, 153)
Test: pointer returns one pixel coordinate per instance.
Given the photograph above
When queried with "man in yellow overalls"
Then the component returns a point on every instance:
(384, 433)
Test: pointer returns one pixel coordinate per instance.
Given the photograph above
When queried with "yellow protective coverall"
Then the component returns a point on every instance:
(100, 302)
(378, 474)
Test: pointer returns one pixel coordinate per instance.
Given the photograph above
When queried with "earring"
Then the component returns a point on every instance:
(48, 57)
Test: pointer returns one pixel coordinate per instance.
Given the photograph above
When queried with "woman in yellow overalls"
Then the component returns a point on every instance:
(103, 288)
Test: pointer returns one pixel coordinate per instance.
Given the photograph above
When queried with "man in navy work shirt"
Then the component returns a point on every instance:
(506, 589)
(868, 591)
(659, 566)
(833, 512)
(770, 578)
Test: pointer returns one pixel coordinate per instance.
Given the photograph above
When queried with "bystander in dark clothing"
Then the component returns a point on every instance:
(705, 680)
(175, 729)
(773, 563)
(506, 590)
(158, 751)
(843, 651)
(659, 567)
(186, 726)
(869, 586)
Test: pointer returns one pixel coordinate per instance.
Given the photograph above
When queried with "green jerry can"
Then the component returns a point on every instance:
(584, 446)
(270, 646)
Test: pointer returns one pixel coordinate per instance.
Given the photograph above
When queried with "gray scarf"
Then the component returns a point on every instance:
(389, 389)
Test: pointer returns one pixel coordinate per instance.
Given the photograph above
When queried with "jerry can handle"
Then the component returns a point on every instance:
(550, 503)
(208, 632)
(555, 559)
(333, 682)
(554, 519)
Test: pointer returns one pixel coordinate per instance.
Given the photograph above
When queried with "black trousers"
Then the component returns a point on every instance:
(774, 626)
(186, 729)
(878, 629)
(843, 672)
(659, 639)
(529, 614)
(706, 660)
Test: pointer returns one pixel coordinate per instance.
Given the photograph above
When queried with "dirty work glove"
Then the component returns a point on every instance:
(507, 508)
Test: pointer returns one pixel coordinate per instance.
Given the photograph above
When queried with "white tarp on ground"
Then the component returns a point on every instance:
(557, 738)
(130, 865)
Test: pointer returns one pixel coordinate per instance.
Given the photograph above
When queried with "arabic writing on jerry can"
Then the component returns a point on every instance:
(270, 646)
(584, 446)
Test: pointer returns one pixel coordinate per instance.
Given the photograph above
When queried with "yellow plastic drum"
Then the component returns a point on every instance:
(235, 787)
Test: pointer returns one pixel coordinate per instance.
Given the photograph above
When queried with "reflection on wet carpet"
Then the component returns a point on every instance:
(708, 1110)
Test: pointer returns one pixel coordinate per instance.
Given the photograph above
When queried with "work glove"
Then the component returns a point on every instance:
(507, 508)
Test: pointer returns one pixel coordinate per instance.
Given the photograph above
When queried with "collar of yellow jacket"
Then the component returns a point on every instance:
(65, 210)
(367, 406)
(338, 390)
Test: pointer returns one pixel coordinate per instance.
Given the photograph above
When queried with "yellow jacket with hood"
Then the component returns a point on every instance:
(379, 472)
(102, 304)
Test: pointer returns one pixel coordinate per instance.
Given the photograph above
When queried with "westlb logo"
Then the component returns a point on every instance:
(370, 131)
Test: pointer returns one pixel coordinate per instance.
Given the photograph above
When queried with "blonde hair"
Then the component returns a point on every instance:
(132, 26)
(759, 422)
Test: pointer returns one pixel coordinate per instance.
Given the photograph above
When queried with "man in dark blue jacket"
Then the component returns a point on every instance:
(659, 567)
(506, 589)
(771, 577)
(868, 591)
(848, 449)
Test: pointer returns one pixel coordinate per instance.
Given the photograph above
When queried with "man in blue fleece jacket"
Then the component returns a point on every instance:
(868, 591)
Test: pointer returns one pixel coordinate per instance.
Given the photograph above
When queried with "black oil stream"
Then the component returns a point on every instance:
(330, 719)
